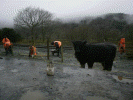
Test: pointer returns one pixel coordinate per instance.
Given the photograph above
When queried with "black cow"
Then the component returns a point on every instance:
(95, 52)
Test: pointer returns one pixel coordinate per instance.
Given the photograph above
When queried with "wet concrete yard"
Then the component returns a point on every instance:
(24, 78)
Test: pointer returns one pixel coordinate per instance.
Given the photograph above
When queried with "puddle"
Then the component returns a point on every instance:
(34, 95)
(74, 71)
(121, 79)
(70, 70)
(90, 72)
(14, 70)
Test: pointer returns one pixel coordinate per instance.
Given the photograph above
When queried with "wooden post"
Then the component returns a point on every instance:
(61, 52)
(48, 48)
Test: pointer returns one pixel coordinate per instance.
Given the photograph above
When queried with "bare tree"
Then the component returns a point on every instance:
(32, 18)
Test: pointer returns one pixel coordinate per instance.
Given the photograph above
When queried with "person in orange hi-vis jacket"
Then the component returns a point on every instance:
(57, 44)
(122, 45)
(7, 45)
(32, 52)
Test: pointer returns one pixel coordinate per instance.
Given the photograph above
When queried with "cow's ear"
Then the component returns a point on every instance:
(84, 42)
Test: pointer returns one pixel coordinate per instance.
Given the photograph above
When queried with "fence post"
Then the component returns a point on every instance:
(61, 52)
(48, 48)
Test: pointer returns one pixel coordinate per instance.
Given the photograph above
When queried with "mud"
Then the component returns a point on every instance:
(24, 78)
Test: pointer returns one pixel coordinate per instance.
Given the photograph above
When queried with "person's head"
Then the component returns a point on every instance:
(30, 47)
(52, 43)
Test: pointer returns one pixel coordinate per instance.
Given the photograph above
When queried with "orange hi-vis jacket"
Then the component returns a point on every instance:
(6, 42)
(32, 50)
(59, 43)
(122, 44)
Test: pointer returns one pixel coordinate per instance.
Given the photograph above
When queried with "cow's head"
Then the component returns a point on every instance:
(78, 45)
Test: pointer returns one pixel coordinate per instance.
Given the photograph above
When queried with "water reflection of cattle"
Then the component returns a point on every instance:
(96, 52)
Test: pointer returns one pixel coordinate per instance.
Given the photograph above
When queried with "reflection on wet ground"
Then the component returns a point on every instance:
(24, 78)
(29, 76)
(33, 95)
(122, 79)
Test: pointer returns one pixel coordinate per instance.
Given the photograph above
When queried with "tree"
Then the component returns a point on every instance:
(32, 18)
(1, 35)
(128, 32)
(11, 34)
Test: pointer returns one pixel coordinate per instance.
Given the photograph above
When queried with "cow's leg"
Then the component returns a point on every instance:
(103, 64)
(108, 65)
(82, 65)
(90, 64)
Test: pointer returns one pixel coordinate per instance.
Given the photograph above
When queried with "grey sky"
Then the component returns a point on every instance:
(65, 8)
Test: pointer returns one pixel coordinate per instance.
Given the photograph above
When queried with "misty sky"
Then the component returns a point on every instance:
(65, 8)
